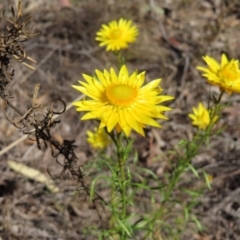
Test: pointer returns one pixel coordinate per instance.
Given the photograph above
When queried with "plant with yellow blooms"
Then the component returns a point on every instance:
(121, 102)
(117, 34)
(139, 202)
(226, 74)
(201, 117)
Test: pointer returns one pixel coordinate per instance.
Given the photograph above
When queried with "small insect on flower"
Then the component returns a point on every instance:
(117, 35)
(121, 102)
(98, 138)
(226, 74)
(201, 117)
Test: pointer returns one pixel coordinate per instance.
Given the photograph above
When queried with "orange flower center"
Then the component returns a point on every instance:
(116, 34)
(229, 72)
(121, 94)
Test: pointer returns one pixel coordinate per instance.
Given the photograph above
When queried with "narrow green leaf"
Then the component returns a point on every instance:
(92, 187)
(206, 176)
(193, 170)
(199, 225)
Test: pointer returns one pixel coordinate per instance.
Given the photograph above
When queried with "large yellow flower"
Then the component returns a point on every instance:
(120, 101)
(117, 35)
(201, 117)
(226, 75)
(98, 138)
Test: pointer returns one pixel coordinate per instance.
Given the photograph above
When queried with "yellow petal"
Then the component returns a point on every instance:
(224, 60)
(123, 72)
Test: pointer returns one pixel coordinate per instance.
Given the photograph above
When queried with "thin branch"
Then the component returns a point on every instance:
(15, 143)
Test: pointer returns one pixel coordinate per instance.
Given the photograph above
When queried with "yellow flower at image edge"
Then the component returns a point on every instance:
(98, 138)
(117, 35)
(121, 102)
(201, 117)
(226, 74)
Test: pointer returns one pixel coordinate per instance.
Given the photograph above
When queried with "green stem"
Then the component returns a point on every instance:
(215, 112)
(120, 58)
(123, 190)
(120, 184)
(121, 164)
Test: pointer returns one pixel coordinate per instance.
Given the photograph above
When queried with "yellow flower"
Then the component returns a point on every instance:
(120, 101)
(201, 117)
(117, 35)
(209, 178)
(98, 138)
(226, 74)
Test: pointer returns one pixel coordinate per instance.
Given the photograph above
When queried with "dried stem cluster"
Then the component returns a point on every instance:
(38, 120)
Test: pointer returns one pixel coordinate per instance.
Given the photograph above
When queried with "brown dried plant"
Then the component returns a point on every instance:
(10, 45)
(38, 120)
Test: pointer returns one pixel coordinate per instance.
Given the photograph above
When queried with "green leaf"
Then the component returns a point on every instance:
(192, 193)
(186, 213)
(206, 176)
(193, 170)
(199, 225)
(92, 187)
(124, 227)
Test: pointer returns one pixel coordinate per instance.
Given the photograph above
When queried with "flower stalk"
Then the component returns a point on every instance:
(120, 183)
(191, 149)
(121, 59)
(121, 163)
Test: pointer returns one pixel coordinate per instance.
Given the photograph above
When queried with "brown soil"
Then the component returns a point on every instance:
(173, 37)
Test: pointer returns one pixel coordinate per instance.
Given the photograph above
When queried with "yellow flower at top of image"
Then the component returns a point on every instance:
(98, 138)
(117, 34)
(201, 117)
(226, 74)
(121, 101)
